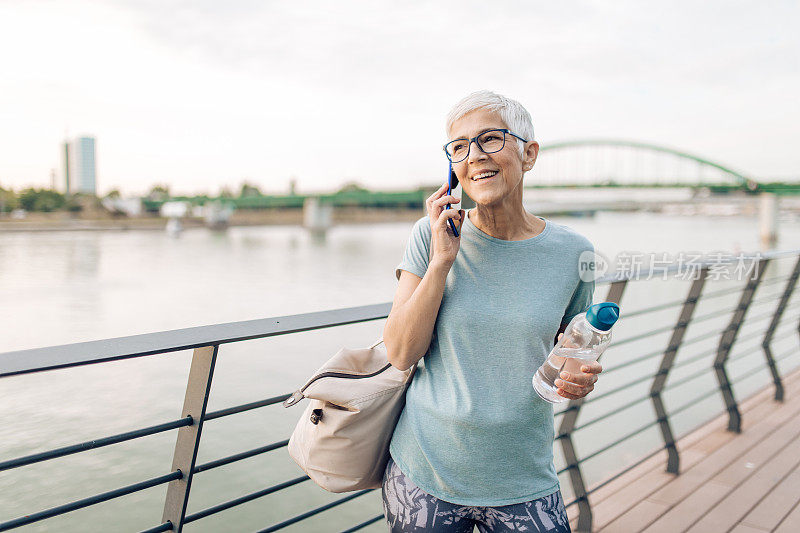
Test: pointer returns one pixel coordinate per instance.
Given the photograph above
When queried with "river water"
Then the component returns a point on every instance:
(63, 287)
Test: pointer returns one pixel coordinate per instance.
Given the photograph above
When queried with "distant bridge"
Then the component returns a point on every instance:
(583, 163)
(621, 163)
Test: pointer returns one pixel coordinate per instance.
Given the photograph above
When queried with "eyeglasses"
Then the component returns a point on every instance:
(489, 142)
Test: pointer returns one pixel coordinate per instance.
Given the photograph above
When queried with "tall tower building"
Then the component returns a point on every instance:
(66, 167)
(85, 170)
(80, 169)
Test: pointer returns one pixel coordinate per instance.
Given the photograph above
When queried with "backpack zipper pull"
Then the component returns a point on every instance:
(294, 398)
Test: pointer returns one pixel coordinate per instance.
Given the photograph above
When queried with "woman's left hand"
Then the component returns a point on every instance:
(575, 386)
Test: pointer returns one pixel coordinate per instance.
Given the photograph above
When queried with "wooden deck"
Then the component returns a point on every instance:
(747, 482)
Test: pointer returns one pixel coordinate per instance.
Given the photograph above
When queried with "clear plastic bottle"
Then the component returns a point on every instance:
(585, 339)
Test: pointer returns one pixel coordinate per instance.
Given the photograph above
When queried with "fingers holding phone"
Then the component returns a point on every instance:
(444, 243)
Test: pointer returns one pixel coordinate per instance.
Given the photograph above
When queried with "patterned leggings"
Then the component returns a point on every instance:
(408, 509)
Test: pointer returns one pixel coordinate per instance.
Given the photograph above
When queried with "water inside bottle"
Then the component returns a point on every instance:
(561, 359)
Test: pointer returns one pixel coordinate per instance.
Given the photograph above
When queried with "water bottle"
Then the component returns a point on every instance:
(586, 337)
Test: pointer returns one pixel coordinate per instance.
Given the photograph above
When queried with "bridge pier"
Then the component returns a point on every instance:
(768, 220)
(317, 216)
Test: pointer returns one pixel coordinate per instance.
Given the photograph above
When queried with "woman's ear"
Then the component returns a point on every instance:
(453, 180)
(530, 155)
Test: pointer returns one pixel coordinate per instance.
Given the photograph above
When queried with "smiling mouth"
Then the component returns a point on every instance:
(484, 175)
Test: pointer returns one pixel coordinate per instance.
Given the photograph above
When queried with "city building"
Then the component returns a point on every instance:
(80, 168)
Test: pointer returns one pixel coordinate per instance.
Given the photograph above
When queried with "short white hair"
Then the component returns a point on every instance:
(513, 114)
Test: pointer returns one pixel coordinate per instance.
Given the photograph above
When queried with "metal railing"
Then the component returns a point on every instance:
(206, 341)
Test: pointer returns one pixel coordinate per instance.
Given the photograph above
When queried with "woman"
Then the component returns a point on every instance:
(478, 314)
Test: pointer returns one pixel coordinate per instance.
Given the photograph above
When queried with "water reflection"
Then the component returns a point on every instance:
(82, 257)
(69, 287)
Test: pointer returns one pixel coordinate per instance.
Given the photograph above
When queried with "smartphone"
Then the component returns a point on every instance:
(452, 183)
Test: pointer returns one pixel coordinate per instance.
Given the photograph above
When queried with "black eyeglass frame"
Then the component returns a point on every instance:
(475, 140)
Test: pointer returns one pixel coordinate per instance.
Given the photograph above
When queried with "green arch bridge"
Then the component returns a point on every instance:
(727, 180)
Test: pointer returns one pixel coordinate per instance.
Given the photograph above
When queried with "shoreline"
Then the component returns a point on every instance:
(39, 222)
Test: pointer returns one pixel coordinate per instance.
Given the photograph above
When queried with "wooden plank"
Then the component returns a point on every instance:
(748, 494)
(636, 489)
(747, 529)
(687, 483)
(682, 516)
(704, 438)
(625, 497)
(695, 506)
(715, 440)
(790, 524)
(627, 492)
(744, 466)
(777, 504)
(646, 512)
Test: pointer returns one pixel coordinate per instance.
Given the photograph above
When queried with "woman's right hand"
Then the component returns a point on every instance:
(444, 245)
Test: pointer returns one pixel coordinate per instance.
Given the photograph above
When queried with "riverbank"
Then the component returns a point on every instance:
(293, 217)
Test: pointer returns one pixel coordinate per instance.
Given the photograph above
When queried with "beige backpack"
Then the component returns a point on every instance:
(342, 439)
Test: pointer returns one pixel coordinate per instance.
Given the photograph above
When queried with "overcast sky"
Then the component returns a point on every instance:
(202, 94)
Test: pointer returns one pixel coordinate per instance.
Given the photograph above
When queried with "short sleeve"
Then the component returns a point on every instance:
(582, 296)
(580, 302)
(417, 254)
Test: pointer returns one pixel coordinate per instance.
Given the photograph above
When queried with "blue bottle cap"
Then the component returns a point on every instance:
(603, 315)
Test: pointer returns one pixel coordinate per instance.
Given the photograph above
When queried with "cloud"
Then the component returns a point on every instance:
(204, 94)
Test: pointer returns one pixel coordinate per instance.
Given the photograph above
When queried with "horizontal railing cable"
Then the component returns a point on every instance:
(312, 512)
(166, 526)
(15, 363)
(734, 381)
(653, 309)
(671, 384)
(245, 407)
(706, 353)
(627, 469)
(86, 502)
(685, 406)
(754, 371)
(663, 330)
(98, 443)
(755, 336)
(243, 499)
(642, 336)
(701, 318)
(613, 412)
(693, 401)
(250, 453)
(609, 446)
(675, 303)
(362, 525)
(655, 452)
(573, 502)
(687, 342)
(620, 388)
(721, 292)
(239, 456)
(619, 441)
(636, 401)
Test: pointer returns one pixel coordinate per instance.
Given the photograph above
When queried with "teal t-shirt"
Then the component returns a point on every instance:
(473, 430)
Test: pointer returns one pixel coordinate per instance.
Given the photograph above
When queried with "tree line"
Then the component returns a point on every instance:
(44, 200)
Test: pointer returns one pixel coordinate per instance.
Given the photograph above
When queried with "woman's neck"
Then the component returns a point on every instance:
(507, 224)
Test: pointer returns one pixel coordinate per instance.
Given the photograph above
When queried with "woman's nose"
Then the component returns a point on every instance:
(475, 152)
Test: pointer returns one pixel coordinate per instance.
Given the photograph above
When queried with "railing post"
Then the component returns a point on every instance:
(673, 459)
(194, 405)
(726, 343)
(567, 446)
(776, 318)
